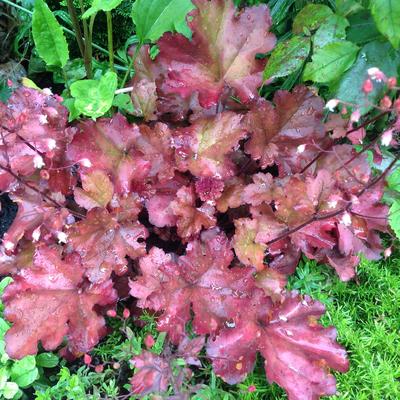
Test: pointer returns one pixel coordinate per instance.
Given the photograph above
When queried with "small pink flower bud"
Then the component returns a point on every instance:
(386, 102)
(392, 82)
(368, 86)
(111, 313)
(87, 359)
(126, 313)
(116, 365)
(149, 341)
(251, 389)
(99, 368)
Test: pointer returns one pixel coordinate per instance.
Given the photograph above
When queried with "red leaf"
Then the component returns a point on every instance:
(50, 301)
(203, 147)
(108, 145)
(220, 55)
(33, 127)
(297, 351)
(287, 133)
(201, 278)
(189, 218)
(152, 374)
(104, 239)
(36, 219)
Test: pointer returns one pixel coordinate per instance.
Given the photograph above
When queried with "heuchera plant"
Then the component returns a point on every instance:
(206, 207)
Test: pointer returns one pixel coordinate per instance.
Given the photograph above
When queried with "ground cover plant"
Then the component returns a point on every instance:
(167, 195)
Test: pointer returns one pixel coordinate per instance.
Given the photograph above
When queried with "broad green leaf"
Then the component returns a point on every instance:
(101, 5)
(153, 18)
(26, 379)
(4, 283)
(393, 180)
(94, 97)
(374, 54)
(347, 7)
(48, 36)
(73, 112)
(333, 29)
(330, 62)
(24, 371)
(394, 217)
(124, 102)
(73, 71)
(4, 375)
(46, 360)
(10, 390)
(362, 28)
(387, 18)
(311, 17)
(287, 57)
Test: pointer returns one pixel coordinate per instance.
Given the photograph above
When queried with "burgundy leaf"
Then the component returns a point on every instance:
(50, 301)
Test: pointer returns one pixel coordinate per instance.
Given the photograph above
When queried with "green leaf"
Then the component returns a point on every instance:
(10, 390)
(287, 57)
(73, 112)
(94, 97)
(4, 283)
(4, 375)
(153, 18)
(24, 371)
(124, 102)
(394, 217)
(387, 18)
(331, 61)
(159, 344)
(73, 71)
(347, 7)
(362, 28)
(47, 360)
(311, 17)
(332, 30)
(393, 180)
(374, 54)
(48, 36)
(101, 5)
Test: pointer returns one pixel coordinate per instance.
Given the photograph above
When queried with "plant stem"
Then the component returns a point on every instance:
(131, 63)
(110, 40)
(87, 56)
(76, 26)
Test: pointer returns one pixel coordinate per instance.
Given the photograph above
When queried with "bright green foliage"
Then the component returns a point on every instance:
(394, 217)
(331, 61)
(82, 385)
(153, 18)
(387, 18)
(373, 54)
(347, 7)
(124, 102)
(362, 28)
(101, 5)
(48, 36)
(287, 57)
(393, 180)
(333, 29)
(94, 97)
(311, 17)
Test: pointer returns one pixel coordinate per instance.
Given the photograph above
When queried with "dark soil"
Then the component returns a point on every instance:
(7, 214)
